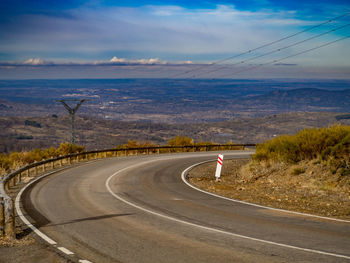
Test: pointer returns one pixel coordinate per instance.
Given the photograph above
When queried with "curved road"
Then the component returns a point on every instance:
(138, 209)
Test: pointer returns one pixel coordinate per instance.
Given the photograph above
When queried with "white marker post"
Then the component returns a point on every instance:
(218, 166)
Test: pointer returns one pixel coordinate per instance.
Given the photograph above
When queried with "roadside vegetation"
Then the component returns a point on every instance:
(15, 160)
(329, 146)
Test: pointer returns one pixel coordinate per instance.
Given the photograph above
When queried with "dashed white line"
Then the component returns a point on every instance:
(84, 261)
(65, 251)
(209, 228)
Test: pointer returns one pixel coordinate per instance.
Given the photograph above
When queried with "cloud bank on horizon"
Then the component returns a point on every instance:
(167, 34)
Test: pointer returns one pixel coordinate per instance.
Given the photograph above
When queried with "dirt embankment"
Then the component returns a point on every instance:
(308, 187)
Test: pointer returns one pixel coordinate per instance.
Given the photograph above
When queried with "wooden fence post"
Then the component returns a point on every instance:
(2, 217)
(9, 222)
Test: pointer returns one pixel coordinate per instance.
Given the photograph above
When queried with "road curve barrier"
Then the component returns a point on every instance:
(26, 173)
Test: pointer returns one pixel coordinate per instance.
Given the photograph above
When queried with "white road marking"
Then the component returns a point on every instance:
(30, 225)
(84, 261)
(65, 251)
(24, 219)
(183, 176)
(209, 228)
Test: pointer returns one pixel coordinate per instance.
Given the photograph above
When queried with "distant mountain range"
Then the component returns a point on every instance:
(305, 99)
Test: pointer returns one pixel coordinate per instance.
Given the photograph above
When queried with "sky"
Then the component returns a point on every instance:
(173, 39)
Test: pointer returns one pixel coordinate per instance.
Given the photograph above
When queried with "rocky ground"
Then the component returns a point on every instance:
(308, 187)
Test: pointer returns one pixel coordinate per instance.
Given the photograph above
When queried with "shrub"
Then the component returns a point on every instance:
(67, 148)
(298, 170)
(328, 144)
(32, 123)
(306, 145)
(135, 144)
(17, 159)
(180, 141)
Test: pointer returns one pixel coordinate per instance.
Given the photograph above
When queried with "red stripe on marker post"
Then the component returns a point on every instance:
(218, 166)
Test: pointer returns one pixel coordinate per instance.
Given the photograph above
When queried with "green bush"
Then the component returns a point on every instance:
(298, 170)
(330, 144)
(32, 123)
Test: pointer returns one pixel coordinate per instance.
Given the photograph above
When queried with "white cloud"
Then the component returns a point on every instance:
(34, 61)
(155, 34)
(117, 60)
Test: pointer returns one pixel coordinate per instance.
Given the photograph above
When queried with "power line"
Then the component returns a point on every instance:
(293, 55)
(261, 47)
(276, 50)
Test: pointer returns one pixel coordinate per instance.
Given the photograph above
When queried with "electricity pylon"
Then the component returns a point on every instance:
(72, 112)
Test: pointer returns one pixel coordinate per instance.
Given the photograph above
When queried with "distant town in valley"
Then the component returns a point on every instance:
(154, 110)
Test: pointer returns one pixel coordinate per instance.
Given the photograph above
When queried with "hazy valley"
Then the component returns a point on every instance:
(155, 110)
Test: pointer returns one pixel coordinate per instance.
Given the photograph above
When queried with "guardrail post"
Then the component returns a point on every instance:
(2, 217)
(9, 222)
(14, 181)
(52, 165)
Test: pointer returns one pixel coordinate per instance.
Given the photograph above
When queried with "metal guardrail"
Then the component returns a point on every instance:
(7, 216)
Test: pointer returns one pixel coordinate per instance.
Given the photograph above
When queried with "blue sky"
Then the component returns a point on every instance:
(146, 38)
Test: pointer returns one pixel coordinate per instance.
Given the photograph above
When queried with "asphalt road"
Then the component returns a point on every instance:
(138, 209)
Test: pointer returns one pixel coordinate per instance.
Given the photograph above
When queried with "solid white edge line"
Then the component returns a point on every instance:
(183, 176)
(31, 226)
(209, 228)
(24, 219)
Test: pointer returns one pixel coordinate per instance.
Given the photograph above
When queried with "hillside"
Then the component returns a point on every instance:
(306, 99)
(25, 133)
(307, 172)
